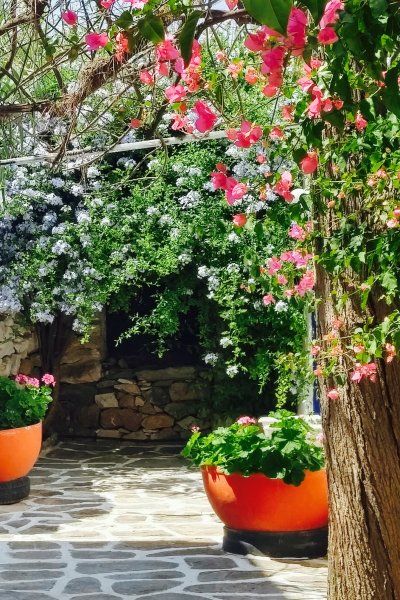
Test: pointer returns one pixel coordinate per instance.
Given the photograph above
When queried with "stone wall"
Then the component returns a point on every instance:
(157, 404)
(16, 344)
(102, 397)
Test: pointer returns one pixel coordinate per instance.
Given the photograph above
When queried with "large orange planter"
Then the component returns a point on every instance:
(19, 450)
(257, 503)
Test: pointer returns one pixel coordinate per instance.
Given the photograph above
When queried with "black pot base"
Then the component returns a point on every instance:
(14, 491)
(311, 543)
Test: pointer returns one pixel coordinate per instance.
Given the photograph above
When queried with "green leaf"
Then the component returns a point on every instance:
(274, 13)
(378, 7)
(298, 155)
(186, 35)
(152, 28)
(389, 282)
(335, 118)
(316, 8)
(124, 20)
(391, 93)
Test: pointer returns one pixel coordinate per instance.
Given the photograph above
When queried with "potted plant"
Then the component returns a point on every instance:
(269, 488)
(23, 404)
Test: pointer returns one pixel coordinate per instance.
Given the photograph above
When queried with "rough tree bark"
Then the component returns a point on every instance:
(362, 430)
(53, 341)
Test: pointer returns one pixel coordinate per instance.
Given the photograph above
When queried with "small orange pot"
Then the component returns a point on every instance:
(19, 450)
(257, 503)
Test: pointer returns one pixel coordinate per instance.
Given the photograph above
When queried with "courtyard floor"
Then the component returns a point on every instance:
(109, 521)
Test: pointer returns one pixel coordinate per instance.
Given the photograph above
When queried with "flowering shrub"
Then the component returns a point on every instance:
(290, 448)
(178, 241)
(24, 401)
(72, 249)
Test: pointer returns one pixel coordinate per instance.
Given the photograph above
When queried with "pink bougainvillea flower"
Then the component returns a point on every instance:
(273, 59)
(238, 191)
(221, 56)
(268, 299)
(246, 136)
(49, 379)
(146, 77)
(367, 371)
(295, 257)
(360, 122)
(136, 123)
(276, 133)
(314, 109)
(69, 17)
(331, 13)
(306, 283)
(390, 352)
(287, 112)
(296, 232)
(231, 4)
(316, 63)
(251, 75)
(309, 163)
(163, 68)
(235, 68)
(137, 3)
(219, 180)
(246, 421)
(327, 36)
(260, 40)
(296, 31)
(122, 46)
(239, 220)
(107, 3)
(273, 265)
(175, 93)
(166, 51)
(206, 119)
(284, 185)
(95, 41)
(333, 394)
(181, 123)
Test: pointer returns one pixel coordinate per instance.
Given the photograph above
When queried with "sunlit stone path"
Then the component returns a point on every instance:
(109, 521)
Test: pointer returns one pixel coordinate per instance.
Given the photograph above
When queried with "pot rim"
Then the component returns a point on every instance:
(216, 467)
(11, 429)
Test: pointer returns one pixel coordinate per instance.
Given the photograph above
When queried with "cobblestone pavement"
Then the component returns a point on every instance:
(109, 521)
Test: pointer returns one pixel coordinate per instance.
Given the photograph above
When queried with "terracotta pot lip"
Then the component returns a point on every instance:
(12, 429)
(216, 468)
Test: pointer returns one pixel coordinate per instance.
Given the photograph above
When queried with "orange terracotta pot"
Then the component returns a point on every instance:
(19, 450)
(257, 503)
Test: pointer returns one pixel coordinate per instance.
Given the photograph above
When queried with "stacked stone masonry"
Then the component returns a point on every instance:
(160, 404)
(16, 344)
(102, 397)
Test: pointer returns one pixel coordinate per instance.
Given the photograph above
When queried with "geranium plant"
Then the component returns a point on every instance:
(24, 401)
(286, 452)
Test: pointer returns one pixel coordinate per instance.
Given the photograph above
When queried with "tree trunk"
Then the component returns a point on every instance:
(53, 341)
(362, 431)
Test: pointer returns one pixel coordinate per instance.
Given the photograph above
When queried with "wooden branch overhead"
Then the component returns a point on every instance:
(117, 149)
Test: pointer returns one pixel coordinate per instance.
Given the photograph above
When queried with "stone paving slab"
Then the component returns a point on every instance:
(112, 521)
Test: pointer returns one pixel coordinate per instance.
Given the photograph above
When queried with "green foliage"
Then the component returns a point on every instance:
(286, 454)
(186, 36)
(152, 28)
(22, 405)
(201, 272)
(274, 13)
